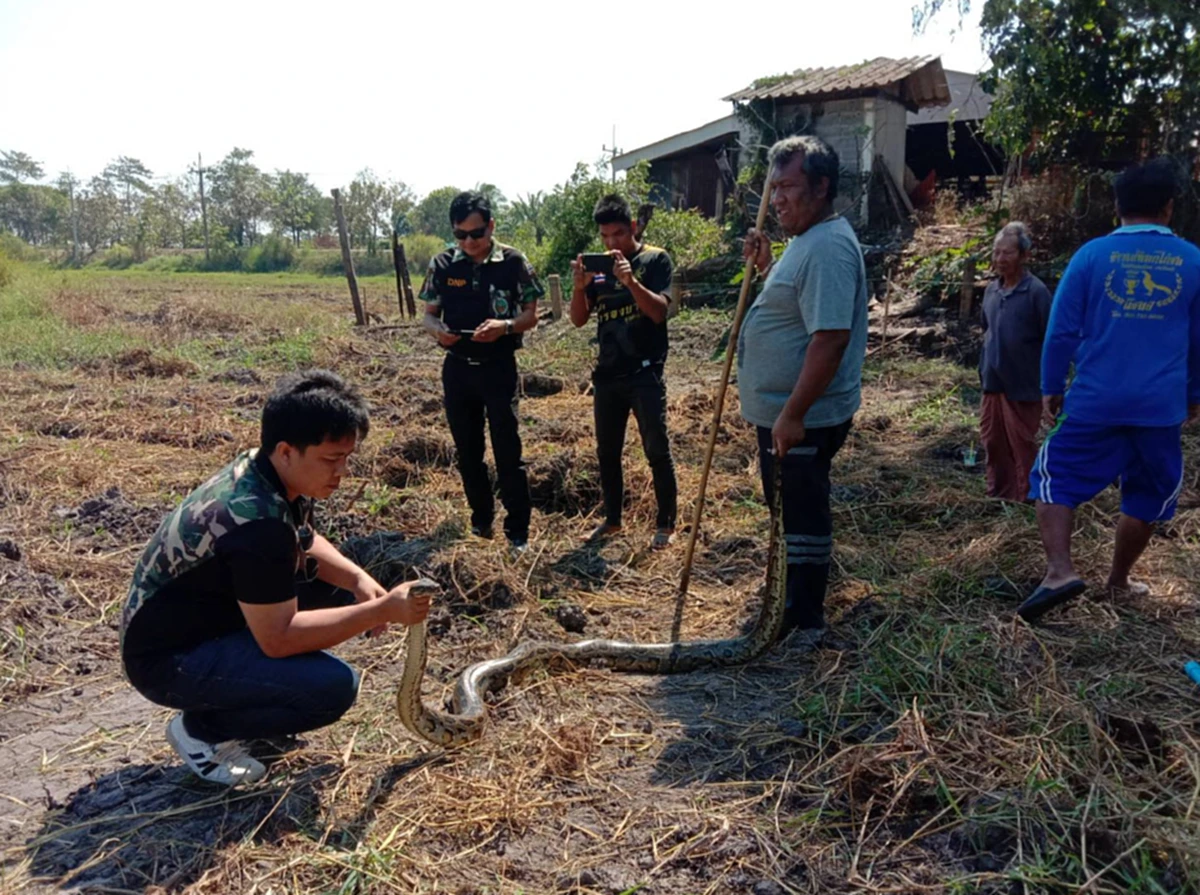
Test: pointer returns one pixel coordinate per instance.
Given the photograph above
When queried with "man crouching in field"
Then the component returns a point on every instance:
(236, 597)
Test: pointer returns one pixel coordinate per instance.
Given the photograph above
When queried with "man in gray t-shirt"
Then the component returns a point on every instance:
(800, 357)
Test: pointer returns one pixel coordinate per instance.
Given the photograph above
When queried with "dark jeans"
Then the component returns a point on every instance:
(472, 391)
(807, 518)
(229, 689)
(645, 394)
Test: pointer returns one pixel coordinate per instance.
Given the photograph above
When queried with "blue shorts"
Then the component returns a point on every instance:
(1079, 460)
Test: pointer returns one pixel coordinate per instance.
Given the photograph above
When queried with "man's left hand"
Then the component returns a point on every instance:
(489, 331)
(366, 589)
(786, 434)
(622, 269)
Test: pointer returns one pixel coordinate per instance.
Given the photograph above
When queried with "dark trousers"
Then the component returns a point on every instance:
(645, 394)
(229, 689)
(807, 518)
(471, 392)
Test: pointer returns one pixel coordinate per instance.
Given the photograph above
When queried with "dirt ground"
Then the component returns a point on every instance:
(930, 744)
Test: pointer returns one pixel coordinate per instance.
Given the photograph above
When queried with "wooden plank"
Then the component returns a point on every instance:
(347, 260)
(397, 263)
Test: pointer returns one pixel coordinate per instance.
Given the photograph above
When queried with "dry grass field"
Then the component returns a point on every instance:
(931, 744)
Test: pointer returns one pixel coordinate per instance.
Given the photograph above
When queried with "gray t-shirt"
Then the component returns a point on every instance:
(820, 283)
(1014, 322)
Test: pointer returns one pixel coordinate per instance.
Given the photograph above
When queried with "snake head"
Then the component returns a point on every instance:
(424, 586)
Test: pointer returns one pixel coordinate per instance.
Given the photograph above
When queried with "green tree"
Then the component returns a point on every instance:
(130, 179)
(98, 208)
(1084, 81)
(18, 167)
(240, 193)
(295, 204)
(432, 214)
(531, 210)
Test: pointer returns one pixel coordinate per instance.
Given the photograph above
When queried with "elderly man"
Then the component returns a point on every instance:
(800, 359)
(1016, 308)
(1127, 315)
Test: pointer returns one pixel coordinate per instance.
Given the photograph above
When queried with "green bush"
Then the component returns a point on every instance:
(6, 270)
(174, 263)
(273, 254)
(119, 257)
(419, 250)
(688, 236)
(15, 248)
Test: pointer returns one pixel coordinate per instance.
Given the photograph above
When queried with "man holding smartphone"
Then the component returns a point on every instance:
(479, 298)
(630, 301)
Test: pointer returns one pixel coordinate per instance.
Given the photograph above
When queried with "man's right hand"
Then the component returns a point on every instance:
(757, 248)
(407, 608)
(583, 278)
(1051, 407)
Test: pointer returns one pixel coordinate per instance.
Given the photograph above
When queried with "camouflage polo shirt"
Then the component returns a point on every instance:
(236, 538)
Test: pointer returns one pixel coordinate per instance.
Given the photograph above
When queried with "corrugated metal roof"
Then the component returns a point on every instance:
(918, 81)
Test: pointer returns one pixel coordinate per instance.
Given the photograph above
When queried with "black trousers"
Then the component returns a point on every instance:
(645, 394)
(807, 518)
(472, 392)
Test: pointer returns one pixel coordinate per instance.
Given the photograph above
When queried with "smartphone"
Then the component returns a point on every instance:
(598, 262)
(462, 332)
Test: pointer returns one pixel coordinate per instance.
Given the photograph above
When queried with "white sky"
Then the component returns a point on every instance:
(431, 93)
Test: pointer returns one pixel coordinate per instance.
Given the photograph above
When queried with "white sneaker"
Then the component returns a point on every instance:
(226, 763)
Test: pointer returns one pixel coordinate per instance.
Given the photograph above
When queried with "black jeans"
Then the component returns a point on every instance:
(472, 391)
(644, 393)
(807, 518)
(229, 689)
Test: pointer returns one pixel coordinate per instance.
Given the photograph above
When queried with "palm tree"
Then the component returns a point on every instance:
(531, 209)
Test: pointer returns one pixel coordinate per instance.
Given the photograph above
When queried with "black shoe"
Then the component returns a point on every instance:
(1044, 599)
(517, 546)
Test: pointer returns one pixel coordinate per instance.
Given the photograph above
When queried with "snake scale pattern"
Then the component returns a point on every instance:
(468, 718)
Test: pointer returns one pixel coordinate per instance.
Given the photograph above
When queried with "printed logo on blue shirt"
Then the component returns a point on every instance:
(1143, 282)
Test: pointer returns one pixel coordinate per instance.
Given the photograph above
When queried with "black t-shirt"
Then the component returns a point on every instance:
(629, 340)
(252, 563)
(466, 294)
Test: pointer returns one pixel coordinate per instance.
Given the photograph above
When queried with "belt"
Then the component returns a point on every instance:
(476, 361)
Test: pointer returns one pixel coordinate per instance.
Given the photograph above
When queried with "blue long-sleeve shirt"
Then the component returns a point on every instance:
(1127, 313)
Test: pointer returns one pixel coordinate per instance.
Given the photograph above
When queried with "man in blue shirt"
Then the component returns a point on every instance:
(1127, 314)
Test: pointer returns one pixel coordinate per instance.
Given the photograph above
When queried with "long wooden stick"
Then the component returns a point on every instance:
(730, 350)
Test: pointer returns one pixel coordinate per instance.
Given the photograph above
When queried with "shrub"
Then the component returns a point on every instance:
(688, 236)
(419, 249)
(15, 248)
(6, 270)
(273, 254)
(118, 257)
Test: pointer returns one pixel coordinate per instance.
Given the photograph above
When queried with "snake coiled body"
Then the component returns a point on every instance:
(469, 714)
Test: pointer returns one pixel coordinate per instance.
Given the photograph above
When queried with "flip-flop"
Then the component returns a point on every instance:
(1044, 599)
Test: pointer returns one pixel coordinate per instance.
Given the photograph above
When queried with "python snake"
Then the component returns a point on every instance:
(469, 714)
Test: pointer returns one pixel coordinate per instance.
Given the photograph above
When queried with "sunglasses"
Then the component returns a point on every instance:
(477, 233)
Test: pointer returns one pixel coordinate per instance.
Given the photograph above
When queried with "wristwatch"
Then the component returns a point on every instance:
(508, 327)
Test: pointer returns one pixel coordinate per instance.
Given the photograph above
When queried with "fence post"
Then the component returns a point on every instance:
(555, 296)
(347, 260)
(398, 263)
(966, 295)
(408, 293)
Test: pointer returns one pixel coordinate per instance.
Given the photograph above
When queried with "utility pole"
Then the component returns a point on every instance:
(612, 154)
(203, 203)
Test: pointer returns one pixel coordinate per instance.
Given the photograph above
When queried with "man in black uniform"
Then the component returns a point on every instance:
(479, 299)
(631, 310)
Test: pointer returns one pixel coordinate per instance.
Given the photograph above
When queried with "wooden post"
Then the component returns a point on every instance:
(347, 260)
(887, 310)
(408, 293)
(966, 295)
(203, 203)
(398, 263)
(555, 296)
(676, 296)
